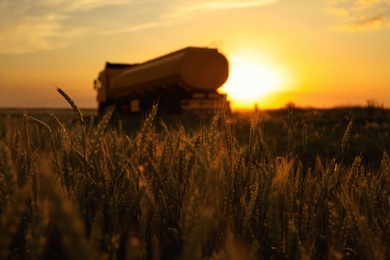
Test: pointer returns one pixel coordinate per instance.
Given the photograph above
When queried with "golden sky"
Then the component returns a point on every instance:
(319, 53)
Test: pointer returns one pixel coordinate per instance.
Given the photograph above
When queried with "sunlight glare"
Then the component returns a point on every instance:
(249, 81)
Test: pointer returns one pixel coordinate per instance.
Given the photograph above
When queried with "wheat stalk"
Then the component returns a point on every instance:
(75, 108)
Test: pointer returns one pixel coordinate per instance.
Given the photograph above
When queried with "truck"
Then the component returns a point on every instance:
(184, 81)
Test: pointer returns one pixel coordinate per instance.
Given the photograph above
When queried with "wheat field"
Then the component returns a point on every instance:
(88, 190)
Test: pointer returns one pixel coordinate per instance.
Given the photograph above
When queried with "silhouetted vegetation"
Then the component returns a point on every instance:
(288, 183)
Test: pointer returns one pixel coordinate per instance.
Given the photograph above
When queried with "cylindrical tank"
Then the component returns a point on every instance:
(189, 69)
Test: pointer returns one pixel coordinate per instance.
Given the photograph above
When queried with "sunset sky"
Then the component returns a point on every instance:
(319, 53)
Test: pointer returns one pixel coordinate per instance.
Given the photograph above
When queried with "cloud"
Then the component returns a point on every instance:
(361, 15)
(227, 4)
(86, 5)
(127, 29)
(182, 9)
(32, 33)
(31, 26)
(174, 11)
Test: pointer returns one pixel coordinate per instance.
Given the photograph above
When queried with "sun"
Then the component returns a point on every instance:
(250, 81)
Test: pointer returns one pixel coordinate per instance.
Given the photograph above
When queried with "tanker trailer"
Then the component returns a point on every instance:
(184, 81)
